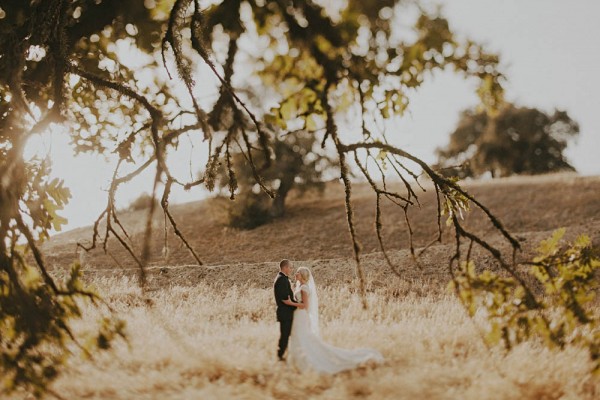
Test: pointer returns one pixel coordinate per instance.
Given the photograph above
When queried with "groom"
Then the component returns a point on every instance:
(285, 313)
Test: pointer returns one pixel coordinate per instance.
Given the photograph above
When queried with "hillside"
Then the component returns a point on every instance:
(211, 331)
(314, 232)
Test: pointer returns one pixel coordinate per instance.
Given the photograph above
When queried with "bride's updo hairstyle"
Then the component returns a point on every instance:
(304, 273)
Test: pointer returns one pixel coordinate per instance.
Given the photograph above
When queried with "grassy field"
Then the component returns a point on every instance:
(209, 332)
(209, 342)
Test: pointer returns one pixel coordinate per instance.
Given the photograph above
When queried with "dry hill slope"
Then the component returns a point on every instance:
(315, 231)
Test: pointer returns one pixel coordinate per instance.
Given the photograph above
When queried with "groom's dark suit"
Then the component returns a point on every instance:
(285, 313)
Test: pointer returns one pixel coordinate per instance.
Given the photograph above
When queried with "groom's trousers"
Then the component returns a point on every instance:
(285, 328)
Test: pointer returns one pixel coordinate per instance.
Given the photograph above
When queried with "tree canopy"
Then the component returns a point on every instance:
(330, 68)
(519, 140)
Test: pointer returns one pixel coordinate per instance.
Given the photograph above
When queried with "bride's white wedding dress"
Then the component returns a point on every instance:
(306, 349)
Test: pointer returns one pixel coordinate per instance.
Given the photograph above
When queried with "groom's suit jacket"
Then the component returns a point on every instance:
(283, 290)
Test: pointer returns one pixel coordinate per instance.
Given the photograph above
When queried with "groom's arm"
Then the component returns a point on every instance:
(289, 301)
(281, 291)
(294, 304)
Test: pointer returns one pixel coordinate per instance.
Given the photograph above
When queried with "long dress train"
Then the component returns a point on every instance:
(308, 350)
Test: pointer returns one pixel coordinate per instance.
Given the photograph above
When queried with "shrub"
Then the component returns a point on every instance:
(249, 211)
(561, 314)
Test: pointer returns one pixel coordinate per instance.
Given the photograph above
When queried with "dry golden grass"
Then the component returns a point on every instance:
(209, 342)
(210, 332)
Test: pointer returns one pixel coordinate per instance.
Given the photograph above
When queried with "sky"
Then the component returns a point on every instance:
(549, 52)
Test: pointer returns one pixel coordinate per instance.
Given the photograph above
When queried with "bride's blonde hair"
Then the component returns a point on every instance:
(304, 273)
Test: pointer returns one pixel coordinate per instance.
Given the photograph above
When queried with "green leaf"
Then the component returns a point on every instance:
(385, 112)
(382, 155)
(495, 334)
(550, 246)
(309, 123)
(287, 110)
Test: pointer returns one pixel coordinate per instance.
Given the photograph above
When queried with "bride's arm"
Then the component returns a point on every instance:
(294, 304)
(302, 305)
(305, 298)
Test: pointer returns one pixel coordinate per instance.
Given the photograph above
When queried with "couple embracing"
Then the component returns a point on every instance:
(298, 316)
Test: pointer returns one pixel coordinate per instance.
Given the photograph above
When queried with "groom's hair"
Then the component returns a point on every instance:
(283, 263)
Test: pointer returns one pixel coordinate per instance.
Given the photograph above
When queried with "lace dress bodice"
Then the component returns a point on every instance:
(298, 292)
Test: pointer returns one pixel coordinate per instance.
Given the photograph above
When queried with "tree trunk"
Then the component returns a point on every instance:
(278, 205)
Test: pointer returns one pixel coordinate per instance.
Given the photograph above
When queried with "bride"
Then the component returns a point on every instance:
(306, 349)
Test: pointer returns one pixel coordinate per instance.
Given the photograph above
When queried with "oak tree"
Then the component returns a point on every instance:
(298, 164)
(518, 140)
